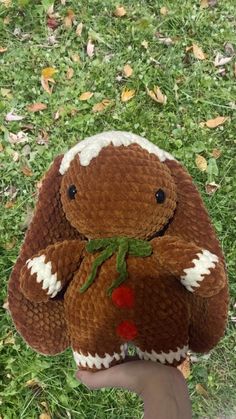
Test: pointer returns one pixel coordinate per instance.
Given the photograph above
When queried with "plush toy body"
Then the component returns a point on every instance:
(120, 250)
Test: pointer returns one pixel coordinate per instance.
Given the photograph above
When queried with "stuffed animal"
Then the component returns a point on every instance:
(120, 251)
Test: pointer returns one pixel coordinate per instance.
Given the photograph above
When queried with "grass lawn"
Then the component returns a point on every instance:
(196, 91)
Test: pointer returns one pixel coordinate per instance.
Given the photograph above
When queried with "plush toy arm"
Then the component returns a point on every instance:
(46, 273)
(200, 271)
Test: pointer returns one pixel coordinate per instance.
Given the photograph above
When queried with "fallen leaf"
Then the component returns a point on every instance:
(127, 70)
(10, 245)
(201, 390)
(204, 4)
(79, 29)
(63, 2)
(99, 107)
(220, 60)
(27, 171)
(198, 53)
(216, 153)
(75, 58)
(8, 205)
(229, 48)
(219, 120)
(52, 23)
(144, 44)
(6, 3)
(157, 95)
(50, 10)
(1, 147)
(3, 49)
(19, 138)
(5, 305)
(6, 93)
(10, 192)
(69, 73)
(6, 20)
(9, 340)
(211, 188)
(120, 11)
(164, 40)
(90, 48)
(86, 96)
(15, 156)
(201, 163)
(164, 11)
(185, 368)
(44, 416)
(127, 94)
(42, 138)
(212, 3)
(36, 107)
(69, 19)
(13, 117)
(48, 72)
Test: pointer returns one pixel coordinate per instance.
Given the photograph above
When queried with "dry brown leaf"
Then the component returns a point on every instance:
(201, 390)
(6, 305)
(6, 20)
(9, 340)
(79, 29)
(211, 188)
(185, 368)
(99, 107)
(144, 44)
(63, 2)
(157, 95)
(69, 73)
(19, 138)
(120, 11)
(127, 94)
(10, 245)
(86, 96)
(127, 70)
(204, 4)
(8, 205)
(3, 49)
(6, 3)
(220, 60)
(46, 77)
(164, 11)
(75, 58)
(44, 416)
(164, 40)
(229, 49)
(27, 171)
(6, 93)
(48, 72)
(1, 147)
(13, 117)
(219, 120)
(198, 52)
(69, 19)
(43, 137)
(36, 107)
(15, 156)
(90, 48)
(201, 163)
(216, 153)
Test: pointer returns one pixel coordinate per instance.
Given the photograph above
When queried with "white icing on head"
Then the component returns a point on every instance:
(202, 264)
(91, 147)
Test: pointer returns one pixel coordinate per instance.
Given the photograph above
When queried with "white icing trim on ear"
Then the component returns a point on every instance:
(97, 361)
(44, 274)
(202, 264)
(163, 357)
(91, 147)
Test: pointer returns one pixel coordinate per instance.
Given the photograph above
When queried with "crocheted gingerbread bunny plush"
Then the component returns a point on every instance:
(120, 250)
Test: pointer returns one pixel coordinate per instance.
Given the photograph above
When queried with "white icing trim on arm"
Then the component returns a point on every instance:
(97, 361)
(163, 357)
(202, 264)
(91, 147)
(44, 274)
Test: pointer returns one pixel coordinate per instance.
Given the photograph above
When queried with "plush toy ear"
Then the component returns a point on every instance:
(191, 220)
(42, 325)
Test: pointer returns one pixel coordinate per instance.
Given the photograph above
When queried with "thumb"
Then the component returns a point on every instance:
(120, 376)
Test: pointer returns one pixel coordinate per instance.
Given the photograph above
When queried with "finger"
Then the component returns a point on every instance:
(121, 376)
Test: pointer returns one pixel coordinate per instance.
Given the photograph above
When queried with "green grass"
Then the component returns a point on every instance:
(201, 94)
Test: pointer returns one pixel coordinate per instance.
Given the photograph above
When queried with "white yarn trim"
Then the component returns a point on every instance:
(44, 274)
(91, 147)
(203, 263)
(97, 361)
(164, 357)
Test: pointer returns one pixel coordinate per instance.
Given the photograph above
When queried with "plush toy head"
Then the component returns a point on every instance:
(120, 250)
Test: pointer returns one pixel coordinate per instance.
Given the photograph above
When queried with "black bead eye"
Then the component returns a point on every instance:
(72, 191)
(160, 196)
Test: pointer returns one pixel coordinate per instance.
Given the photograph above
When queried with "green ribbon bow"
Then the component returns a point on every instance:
(121, 246)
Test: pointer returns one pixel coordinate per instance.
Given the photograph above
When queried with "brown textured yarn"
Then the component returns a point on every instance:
(116, 197)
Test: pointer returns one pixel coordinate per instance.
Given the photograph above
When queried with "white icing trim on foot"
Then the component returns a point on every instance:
(44, 274)
(97, 361)
(164, 357)
(91, 147)
(203, 263)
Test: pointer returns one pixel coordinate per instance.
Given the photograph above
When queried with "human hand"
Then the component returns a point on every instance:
(162, 388)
